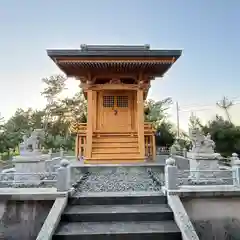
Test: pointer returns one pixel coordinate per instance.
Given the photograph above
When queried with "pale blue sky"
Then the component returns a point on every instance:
(207, 31)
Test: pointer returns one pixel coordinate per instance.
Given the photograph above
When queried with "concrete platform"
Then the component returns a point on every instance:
(206, 191)
(30, 194)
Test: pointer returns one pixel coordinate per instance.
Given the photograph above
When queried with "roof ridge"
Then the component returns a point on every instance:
(85, 47)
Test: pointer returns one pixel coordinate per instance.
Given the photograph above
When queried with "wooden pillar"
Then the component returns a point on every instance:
(89, 123)
(140, 121)
(94, 111)
(77, 146)
(153, 147)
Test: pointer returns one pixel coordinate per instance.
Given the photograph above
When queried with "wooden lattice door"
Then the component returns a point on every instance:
(116, 111)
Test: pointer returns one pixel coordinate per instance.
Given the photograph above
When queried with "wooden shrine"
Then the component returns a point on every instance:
(115, 81)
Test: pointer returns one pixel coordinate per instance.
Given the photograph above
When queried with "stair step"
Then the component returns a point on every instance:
(118, 198)
(122, 157)
(115, 134)
(115, 145)
(115, 155)
(115, 140)
(109, 160)
(108, 213)
(164, 230)
(115, 151)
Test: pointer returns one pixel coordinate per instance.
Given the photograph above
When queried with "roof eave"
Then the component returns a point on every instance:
(59, 53)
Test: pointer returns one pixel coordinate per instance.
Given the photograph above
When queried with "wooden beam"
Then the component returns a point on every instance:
(115, 75)
(99, 87)
(78, 71)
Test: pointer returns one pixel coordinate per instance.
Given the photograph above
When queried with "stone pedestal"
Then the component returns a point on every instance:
(204, 168)
(28, 164)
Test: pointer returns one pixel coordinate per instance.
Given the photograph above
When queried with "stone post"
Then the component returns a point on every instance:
(234, 158)
(64, 176)
(184, 152)
(236, 169)
(171, 174)
(61, 152)
(50, 154)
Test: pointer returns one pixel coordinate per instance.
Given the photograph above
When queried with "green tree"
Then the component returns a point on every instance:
(225, 135)
(194, 122)
(166, 136)
(14, 129)
(60, 112)
(156, 112)
(36, 120)
(54, 86)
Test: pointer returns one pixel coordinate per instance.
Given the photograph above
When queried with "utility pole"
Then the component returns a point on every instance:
(178, 130)
(225, 104)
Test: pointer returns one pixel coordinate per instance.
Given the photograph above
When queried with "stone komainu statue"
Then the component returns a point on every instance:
(34, 141)
(201, 143)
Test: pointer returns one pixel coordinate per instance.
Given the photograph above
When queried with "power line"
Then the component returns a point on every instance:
(203, 108)
(235, 100)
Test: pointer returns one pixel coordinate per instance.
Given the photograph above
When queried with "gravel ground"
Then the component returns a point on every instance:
(120, 179)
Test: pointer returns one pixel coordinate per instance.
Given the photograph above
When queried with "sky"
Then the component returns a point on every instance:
(206, 31)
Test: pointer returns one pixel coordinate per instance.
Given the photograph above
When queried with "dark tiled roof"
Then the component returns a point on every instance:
(113, 51)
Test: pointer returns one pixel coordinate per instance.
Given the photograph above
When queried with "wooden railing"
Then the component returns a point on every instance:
(149, 141)
(80, 144)
(148, 129)
(81, 129)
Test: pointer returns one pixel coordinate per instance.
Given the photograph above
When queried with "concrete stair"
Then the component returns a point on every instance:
(117, 216)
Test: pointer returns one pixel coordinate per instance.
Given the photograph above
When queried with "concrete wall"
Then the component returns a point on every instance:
(215, 218)
(22, 219)
(182, 163)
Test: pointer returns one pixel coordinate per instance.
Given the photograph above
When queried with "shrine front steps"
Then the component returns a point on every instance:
(117, 216)
(115, 160)
(117, 147)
